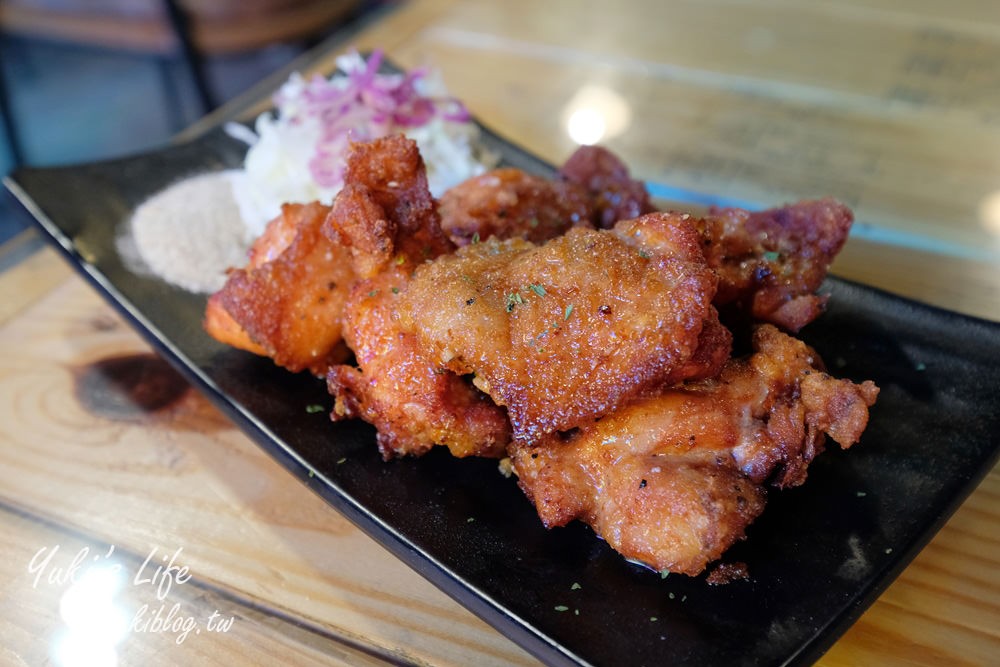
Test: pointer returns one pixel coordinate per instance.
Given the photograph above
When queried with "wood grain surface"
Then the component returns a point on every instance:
(184, 477)
(893, 109)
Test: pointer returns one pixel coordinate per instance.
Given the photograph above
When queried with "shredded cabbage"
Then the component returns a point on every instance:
(297, 154)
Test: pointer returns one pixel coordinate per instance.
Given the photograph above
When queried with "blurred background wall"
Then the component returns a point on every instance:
(87, 79)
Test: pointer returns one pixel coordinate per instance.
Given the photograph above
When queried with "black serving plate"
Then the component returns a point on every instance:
(817, 558)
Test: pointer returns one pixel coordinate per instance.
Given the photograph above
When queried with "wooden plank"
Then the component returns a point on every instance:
(842, 58)
(37, 581)
(32, 272)
(963, 285)
(911, 178)
(184, 477)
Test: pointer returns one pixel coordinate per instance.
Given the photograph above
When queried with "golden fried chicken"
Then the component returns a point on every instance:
(509, 203)
(594, 358)
(567, 331)
(771, 262)
(277, 236)
(286, 303)
(613, 194)
(385, 215)
(715, 343)
(414, 403)
(673, 480)
(385, 210)
(221, 326)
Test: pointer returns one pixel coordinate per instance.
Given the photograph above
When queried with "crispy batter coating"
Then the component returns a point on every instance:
(287, 302)
(674, 479)
(771, 262)
(385, 214)
(614, 195)
(715, 343)
(414, 403)
(221, 326)
(385, 209)
(567, 331)
(277, 236)
(509, 203)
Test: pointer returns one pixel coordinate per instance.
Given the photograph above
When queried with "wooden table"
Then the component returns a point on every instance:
(896, 111)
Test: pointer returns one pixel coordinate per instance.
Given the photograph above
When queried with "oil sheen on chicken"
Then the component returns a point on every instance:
(386, 216)
(673, 479)
(567, 331)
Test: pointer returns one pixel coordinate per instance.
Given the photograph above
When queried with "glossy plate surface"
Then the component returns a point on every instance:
(817, 558)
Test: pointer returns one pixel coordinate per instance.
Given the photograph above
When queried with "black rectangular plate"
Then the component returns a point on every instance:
(817, 558)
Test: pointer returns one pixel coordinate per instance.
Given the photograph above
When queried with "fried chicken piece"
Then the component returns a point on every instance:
(715, 343)
(386, 216)
(221, 326)
(614, 195)
(771, 262)
(385, 210)
(509, 203)
(277, 236)
(286, 303)
(674, 479)
(567, 331)
(414, 403)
